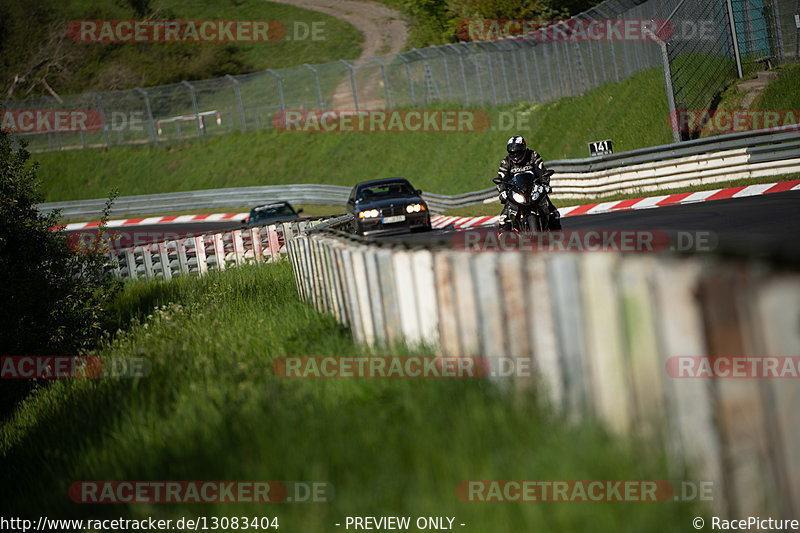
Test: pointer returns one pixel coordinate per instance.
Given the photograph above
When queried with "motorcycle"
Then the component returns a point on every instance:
(524, 197)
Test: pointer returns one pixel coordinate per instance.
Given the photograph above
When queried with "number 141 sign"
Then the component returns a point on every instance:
(600, 148)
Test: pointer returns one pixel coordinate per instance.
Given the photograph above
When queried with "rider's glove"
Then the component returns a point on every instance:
(503, 196)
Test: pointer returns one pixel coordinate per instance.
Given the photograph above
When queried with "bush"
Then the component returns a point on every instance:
(53, 298)
(437, 22)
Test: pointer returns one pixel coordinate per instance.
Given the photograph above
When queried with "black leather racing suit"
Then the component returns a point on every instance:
(531, 162)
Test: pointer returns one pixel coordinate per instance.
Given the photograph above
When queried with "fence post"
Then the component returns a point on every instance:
(352, 82)
(424, 78)
(520, 47)
(627, 61)
(200, 129)
(446, 72)
(316, 83)
(149, 114)
(55, 130)
(797, 34)
(503, 71)
(571, 90)
(280, 87)
(463, 73)
(560, 80)
(614, 60)
(238, 100)
(385, 82)
(673, 116)
(477, 73)
(491, 74)
(735, 38)
(410, 83)
(536, 61)
(102, 115)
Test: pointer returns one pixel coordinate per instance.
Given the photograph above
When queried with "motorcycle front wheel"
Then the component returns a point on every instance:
(533, 223)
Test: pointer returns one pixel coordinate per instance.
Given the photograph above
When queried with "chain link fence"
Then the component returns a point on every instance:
(733, 38)
(534, 67)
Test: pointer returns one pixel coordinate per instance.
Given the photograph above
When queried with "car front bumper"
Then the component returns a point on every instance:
(412, 222)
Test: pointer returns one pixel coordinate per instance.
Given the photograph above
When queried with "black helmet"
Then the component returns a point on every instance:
(516, 148)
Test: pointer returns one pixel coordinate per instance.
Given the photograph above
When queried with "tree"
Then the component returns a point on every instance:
(53, 297)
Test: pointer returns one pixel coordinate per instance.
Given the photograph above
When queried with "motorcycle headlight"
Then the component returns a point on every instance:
(414, 208)
(519, 198)
(371, 213)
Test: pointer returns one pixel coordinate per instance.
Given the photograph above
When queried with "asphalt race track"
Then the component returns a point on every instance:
(767, 223)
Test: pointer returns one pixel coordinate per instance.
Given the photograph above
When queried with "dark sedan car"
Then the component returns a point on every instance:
(389, 205)
(266, 213)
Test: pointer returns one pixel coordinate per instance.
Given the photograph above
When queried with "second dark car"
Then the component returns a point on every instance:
(389, 205)
(266, 213)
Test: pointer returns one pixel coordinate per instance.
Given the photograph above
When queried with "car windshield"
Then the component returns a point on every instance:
(385, 190)
(271, 211)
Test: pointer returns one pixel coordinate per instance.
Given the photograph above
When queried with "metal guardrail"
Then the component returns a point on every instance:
(574, 177)
(598, 331)
(200, 254)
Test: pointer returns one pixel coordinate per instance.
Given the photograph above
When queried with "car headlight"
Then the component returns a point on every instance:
(370, 213)
(519, 198)
(414, 208)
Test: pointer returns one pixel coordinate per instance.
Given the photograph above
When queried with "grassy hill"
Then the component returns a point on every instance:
(35, 43)
(632, 113)
(213, 409)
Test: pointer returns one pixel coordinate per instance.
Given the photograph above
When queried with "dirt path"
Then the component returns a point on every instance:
(384, 29)
(385, 32)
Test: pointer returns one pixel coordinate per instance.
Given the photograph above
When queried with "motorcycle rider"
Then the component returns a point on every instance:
(521, 159)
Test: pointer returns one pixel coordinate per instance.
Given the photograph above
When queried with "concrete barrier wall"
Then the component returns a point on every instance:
(598, 329)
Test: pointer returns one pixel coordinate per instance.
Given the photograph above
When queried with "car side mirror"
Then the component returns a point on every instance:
(418, 192)
(351, 201)
(299, 211)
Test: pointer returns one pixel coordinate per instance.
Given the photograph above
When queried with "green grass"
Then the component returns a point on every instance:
(632, 113)
(212, 409)
(782, 94)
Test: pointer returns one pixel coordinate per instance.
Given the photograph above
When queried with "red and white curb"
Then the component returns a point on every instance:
(442, 221)
(177, 219)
